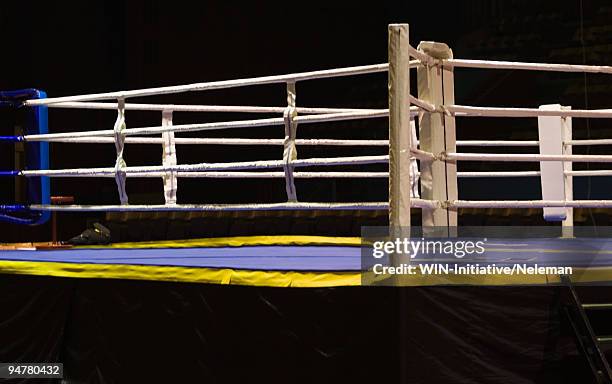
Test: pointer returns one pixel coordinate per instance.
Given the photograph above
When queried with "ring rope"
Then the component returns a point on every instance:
(261, 164)
(317, 142)
(492, 64)
(471, 111)
(203, 108)
(529, 203)
(250, 175)
(415, 203)
(49, 137)
(452, 156)
(223, 84)
(119, 134)
(226, 141)
(365, 69)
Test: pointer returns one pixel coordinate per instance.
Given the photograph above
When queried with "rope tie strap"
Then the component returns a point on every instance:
(169, 159)
(120, 165)
(423, 57)
(443, 110)
(289, 149)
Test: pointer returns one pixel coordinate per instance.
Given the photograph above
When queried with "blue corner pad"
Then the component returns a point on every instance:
(37, 157)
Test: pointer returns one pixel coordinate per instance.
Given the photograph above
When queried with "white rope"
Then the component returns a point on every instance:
(525, 157)
(262, 164)
(498, 174)
(601, 172)
(120, 166)
(203, 108)
(50, 137)
(213, 207)
(321, 74)
(530, 203)
(316, 142)
(251, 175)
(589, 142)
(415, 203)
(469, 111)
(332, 175)
(227, 141)
(497, 143)
(492, 64)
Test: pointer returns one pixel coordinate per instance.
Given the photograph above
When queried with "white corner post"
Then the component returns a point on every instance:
(555, 135)
(289, 149)
(436, 135)
(399, 127)
(553, 179)
(169, 159)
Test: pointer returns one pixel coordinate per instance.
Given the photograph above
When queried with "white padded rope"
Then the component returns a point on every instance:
(470, 111)
(330, 142)
(203, 108)
(492, 64)
(589, 142)
(599, 172)
(500, 174)
(349, 71)
(214, 207)
(247, 175)
(50, 137)
(497, 143)
(227, 141)
(415, 203)
(168, 160)
(119, 135)
(530, 203)
(526, 157)
(262, 164)
(321, 74)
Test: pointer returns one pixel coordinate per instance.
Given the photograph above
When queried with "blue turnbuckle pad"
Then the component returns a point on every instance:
(37, 157)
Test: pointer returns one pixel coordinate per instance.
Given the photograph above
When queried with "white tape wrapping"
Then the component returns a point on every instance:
(414, 166)
(289, 149)
(119, 134)
(169, 159)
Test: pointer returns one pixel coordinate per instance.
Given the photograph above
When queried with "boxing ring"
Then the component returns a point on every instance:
(422, 168)
(220, 307)
(303, 261)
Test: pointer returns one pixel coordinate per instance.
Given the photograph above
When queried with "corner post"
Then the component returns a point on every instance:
(437, 135)
(399, 127)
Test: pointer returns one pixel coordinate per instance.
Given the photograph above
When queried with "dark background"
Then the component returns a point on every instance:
(68, 48)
